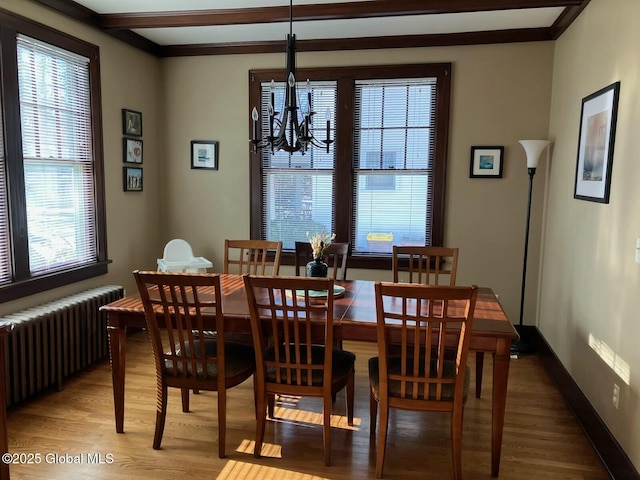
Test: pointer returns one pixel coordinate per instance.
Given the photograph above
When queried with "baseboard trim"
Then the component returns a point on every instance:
(611, 453)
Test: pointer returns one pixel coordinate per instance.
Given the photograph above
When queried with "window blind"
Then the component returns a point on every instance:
(298, 189)
(394, 148)
(5, 244)
(57, 154)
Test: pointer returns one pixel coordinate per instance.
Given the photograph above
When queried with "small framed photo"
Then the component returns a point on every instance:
(595, 145)
(132, 150)
(132, 179)
(131, 123)
(204, 154)
(486, 162)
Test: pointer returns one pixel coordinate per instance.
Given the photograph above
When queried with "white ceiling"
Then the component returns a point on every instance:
(323, 23)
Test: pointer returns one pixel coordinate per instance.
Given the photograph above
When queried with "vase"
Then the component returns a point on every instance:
(317, 268)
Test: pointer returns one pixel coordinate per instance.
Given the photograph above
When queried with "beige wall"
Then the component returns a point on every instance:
(130, 79)
(501, 93)
(590, 281)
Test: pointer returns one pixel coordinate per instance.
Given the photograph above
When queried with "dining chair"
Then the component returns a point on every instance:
(293, 336)
(185, 358)
(419, 376)
(428, 265)
(257, 257)
(432, 266)
(335, 256)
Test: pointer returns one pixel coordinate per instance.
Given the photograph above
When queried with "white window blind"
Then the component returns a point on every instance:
(394, 148)
(57, 153)
(297, 189)
(5, 245)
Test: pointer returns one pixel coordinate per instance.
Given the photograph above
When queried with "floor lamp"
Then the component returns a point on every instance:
(533, 149)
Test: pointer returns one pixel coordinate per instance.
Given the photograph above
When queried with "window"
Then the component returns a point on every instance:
(382, 182)
(52, 227)
(298, 189)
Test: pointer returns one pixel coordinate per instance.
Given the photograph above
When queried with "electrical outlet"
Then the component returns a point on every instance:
(616, 396)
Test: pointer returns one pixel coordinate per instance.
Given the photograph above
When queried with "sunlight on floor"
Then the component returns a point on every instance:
(268, 449)
(305, 417)
(237, 470)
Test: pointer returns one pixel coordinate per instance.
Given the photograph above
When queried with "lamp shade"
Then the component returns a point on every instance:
(533, 149)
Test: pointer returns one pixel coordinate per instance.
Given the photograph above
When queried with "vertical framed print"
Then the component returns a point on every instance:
(595, 144)
(131, 123)
(132, 150)
(132, 179)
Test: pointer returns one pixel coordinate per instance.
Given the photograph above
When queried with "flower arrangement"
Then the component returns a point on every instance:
(319, 242)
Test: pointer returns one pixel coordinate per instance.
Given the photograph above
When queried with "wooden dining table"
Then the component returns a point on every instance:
(355, 316)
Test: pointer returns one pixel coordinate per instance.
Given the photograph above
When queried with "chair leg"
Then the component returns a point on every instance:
(261, 420)
(255, 396)
(479, 366)
(222, 421)
(382, 437)
(373, 412)
(350, 398)
(185, 399)
(326, 428)
(271, 405)
(456, 444)
(161, 415)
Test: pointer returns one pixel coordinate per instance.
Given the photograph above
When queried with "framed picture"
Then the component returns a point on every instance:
(132, 179)
(132, 150)
(204, 154)
(131, 123)
(595, 144)
(486, 162)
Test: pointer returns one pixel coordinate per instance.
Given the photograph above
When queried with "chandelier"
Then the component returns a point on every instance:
(287, 130)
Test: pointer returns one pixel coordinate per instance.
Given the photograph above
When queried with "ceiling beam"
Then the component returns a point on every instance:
(566, 18)
(314, 12)
(368, 43)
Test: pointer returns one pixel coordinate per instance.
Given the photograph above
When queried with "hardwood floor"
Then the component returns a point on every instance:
(541, 438)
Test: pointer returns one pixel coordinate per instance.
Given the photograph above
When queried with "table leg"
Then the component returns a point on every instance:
(117, 350)
(501, 361)
(479, 368)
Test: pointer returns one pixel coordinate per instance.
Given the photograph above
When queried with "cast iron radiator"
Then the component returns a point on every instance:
(52, 341)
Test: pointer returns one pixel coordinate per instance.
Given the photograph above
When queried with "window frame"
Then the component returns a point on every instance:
(23, 284)
(344, 143)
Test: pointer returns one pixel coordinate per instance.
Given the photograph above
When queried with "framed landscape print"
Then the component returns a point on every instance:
(204, 154)
(486, 162)
(595, 144)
